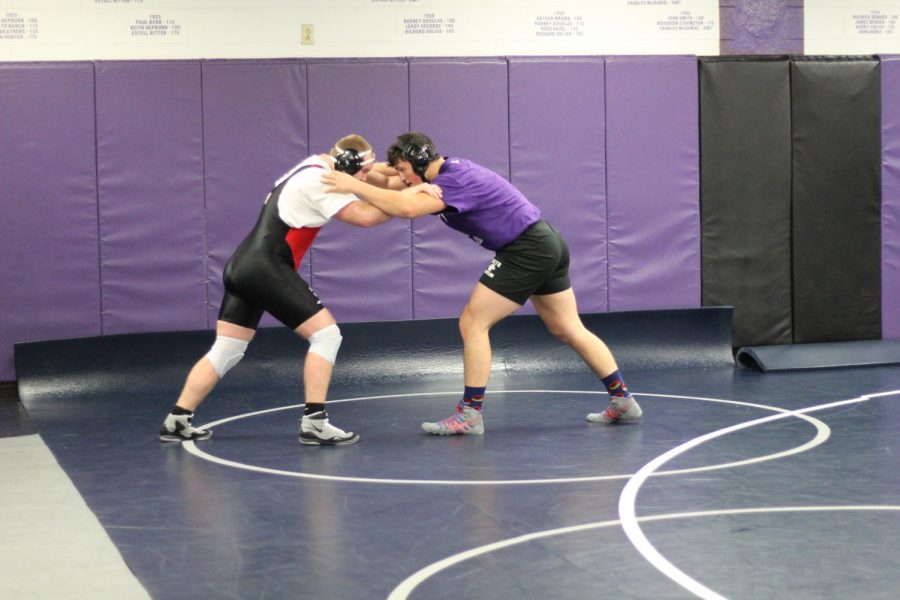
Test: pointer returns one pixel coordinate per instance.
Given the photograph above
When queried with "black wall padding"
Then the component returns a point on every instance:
(745, 197)
(836, 199)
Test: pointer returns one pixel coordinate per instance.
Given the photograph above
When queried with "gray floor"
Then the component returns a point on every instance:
(53, 545)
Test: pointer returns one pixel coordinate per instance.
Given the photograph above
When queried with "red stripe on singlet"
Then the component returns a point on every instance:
(299, 240)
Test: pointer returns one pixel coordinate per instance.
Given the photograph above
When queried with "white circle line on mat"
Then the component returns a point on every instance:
(402, 591)
(628, 498)
(822, 434)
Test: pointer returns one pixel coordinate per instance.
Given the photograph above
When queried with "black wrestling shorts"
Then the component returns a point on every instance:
(255, 283)
(535, 263)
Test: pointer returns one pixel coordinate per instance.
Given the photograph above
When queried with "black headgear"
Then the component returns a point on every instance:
(419, 157)
(350, 161)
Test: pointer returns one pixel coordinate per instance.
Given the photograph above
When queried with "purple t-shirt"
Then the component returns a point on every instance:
(482, 204)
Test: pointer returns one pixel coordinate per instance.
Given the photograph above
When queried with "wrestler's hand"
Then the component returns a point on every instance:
(339, 183)
(425, 188)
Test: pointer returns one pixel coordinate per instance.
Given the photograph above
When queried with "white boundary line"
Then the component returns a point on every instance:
(406, 587)
(628, 498)
(822, 434)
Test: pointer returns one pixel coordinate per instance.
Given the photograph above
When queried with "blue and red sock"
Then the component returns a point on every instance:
(473, 396)
(616, 387)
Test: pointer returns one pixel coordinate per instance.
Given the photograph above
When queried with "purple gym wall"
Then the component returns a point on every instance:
(462, 105)
(148, 202)
(254, 130)
(361, 274)
(558, 160)
(50, 282)
(653, 182)
(150, 182)
(890, 197)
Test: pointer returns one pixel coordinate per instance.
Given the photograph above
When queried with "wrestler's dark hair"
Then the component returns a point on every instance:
(416, 148)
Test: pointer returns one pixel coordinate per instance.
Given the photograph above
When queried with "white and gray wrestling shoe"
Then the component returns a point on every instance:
(178, 428)
(315, 430)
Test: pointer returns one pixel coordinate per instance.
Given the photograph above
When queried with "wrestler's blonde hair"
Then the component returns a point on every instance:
(351, 142)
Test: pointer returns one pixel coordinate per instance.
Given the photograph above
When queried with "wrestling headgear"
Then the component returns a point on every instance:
(350, 161)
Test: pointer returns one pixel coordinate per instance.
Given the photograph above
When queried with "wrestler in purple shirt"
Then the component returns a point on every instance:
(531, 261)
(482, 204)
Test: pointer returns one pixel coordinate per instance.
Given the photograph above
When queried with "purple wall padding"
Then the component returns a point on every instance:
(254, 130)
(48, 202)
(150, 180)
(361, 274)
(557, 159)
(463, 106)
(653, 183)
(155, 194)
(890, 197)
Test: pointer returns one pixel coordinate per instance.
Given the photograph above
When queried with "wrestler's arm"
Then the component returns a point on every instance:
(362, 214)
(385, 177)
(410, 204)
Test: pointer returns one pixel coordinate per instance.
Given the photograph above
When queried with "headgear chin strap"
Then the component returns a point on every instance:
(350, 161)
(419, 157)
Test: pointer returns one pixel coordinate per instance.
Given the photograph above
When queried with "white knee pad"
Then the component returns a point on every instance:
(225, 353)
(325, 342)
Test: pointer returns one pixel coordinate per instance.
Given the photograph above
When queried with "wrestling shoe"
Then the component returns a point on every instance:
(315, 430)
(178, 428)
(466, 420)
(626, 412)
